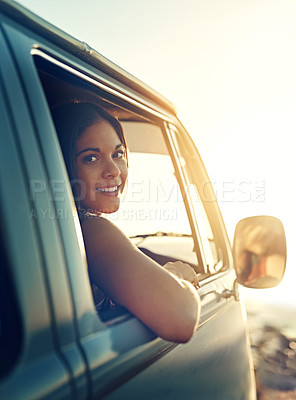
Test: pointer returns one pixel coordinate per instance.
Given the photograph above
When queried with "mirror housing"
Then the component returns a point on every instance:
(260, 252)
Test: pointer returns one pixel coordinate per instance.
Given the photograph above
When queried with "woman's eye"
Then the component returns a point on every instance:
(119, 154)
(90, 158)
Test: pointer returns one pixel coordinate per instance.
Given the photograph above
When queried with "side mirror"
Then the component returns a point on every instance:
(260, 252)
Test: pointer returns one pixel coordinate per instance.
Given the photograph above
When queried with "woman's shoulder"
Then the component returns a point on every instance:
(104, 241)
(98, 229)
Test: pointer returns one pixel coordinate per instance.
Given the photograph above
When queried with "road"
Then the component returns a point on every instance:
(273, 338)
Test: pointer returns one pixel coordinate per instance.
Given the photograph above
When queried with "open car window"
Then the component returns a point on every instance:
(152, 212)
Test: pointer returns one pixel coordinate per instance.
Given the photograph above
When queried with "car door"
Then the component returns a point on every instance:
(117, 356)
(36, 324)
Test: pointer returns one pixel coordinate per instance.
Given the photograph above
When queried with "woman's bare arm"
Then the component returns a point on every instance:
(167, 305)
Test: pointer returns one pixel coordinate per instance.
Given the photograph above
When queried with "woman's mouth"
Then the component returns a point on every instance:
(108, 191)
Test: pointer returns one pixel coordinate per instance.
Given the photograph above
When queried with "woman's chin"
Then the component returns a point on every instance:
(109, 209)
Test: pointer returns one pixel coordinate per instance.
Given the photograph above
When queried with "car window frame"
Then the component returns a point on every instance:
(207, 196)
(153, 116)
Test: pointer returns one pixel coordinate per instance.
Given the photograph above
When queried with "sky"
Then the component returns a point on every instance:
(230, 68)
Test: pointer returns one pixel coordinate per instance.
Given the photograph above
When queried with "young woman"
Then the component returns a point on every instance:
(163, 298)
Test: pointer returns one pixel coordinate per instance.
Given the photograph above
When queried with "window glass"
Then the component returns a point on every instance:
(213, 253)
(205, 229)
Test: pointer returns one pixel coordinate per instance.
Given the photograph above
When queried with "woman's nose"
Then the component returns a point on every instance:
(110, 169)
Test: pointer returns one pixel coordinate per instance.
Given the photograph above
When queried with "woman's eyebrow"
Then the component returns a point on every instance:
(96, 149)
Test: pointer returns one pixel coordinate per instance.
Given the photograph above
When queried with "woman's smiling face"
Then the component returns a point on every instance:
(101, 168)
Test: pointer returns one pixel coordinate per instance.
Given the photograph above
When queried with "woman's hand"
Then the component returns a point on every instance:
(182, 271)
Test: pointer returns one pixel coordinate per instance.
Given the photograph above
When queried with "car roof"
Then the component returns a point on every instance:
(82, 50)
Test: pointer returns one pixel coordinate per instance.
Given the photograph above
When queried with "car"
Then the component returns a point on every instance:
(54, 344)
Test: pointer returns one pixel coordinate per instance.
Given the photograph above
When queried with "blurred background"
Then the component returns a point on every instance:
(230, 68)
